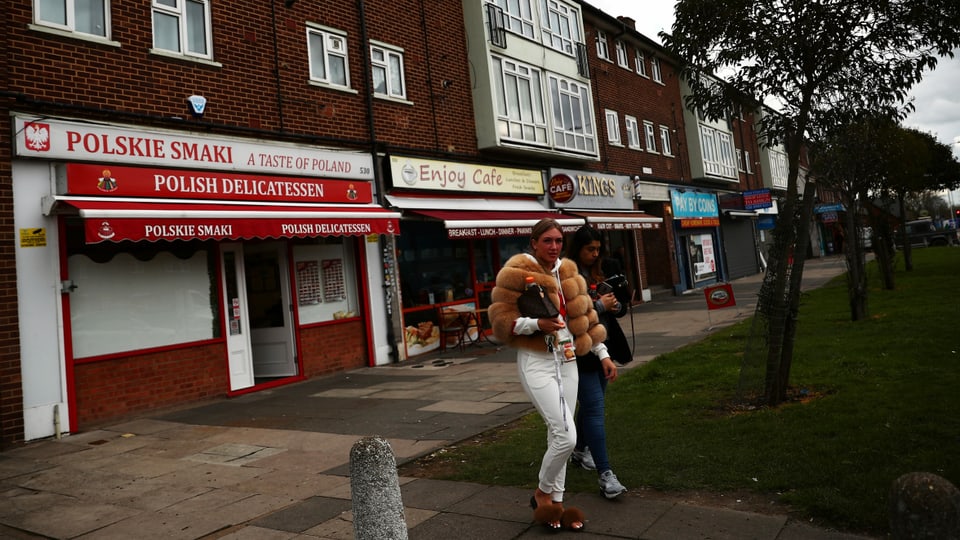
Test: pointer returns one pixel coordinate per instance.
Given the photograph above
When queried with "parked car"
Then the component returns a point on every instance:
(923, 233)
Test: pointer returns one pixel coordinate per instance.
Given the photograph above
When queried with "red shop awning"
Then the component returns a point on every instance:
(489, 224)
(116, 221)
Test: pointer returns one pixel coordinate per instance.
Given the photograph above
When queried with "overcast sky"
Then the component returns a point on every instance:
(937, 97)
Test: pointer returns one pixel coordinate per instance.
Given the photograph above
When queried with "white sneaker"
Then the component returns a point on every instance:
(610, 487)
(584, 459)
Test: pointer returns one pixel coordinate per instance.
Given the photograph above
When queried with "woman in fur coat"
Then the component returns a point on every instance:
(546, 355)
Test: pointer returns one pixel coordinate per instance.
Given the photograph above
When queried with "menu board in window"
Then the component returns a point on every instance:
(308, 282)
(334, 286)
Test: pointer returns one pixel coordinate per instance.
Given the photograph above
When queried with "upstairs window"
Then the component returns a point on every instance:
(520, 111)
(622, 55)
(572, 115)
(327, 50)
(613, 127)
(655, 69)
(650, 136)
(640, 63)
(633, 132)
(518, 16)
(665, 146)
(603, 50)
(387, 63)
(80, 16)
(561, 26)
(182, 26)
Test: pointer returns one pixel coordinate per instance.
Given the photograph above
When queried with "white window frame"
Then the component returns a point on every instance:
(719, 156)
(390, 65)
(778, 169)
(572, 115)
(665, 146)
(517, 84)
(621, 49)
(650, 136)
(633, 132)
(746, 162)
(561, 26)
(655, 72)
(517, 16)
(334, 45)
(69, 23)
(640, 63)
(613, 127)
(180, 11)
(603, 48)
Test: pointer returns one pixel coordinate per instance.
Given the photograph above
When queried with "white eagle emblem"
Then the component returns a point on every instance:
(38, 136)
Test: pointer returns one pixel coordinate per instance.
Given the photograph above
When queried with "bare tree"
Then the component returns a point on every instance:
(823, 63)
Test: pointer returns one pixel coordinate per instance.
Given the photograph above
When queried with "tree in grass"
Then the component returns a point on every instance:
(822, 63)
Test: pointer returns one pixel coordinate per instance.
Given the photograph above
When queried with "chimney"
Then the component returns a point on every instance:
(628, 22)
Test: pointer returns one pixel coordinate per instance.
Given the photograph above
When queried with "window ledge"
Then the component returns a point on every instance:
(73, 35)
(401, 101)
(178, 56)
(329, 86)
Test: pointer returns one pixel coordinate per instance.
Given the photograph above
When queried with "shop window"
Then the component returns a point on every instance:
(132, 296)
(324, 293)
(433, 268)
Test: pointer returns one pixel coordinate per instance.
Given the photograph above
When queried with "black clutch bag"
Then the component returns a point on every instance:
(534, 303)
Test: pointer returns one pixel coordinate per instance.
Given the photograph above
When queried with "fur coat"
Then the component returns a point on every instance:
(582, 319)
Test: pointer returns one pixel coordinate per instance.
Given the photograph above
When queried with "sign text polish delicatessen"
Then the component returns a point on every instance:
(119, 181)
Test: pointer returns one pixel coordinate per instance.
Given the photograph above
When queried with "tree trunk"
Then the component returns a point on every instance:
(856, 272)
(796, 281)
(904, 238)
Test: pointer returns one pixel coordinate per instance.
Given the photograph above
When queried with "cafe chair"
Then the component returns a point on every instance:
(452, 331)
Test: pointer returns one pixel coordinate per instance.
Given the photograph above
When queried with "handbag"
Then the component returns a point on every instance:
(620, 287)
(534, 303)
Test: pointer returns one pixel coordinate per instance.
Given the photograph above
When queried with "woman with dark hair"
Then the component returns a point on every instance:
(547, 349)
(595, 372)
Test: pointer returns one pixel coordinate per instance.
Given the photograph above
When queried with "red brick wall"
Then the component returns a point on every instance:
(242, 90)
(624, 91)
(333, 348)
(11, 391)
(112, 389)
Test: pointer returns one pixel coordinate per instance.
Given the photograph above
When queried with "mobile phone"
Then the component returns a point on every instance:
(604, 288)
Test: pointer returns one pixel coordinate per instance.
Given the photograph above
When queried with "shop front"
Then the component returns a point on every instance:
(696, 222)
(461, 222)
(743, 248)
(174, 267)
(606, 202)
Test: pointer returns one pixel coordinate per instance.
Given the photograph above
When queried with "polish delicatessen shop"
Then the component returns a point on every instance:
(176, 267)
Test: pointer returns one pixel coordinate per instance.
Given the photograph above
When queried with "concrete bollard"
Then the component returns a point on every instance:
(375, 488)
(924, 506)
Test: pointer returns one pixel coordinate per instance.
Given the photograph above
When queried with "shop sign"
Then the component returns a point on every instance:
(457, 178)
(459, 233)
(33, 237)
(694, 205)
(590, 190)
(756, 199)
(76, 141)
(719, 296)
(699, 222)
(121, 181)
(137, 229)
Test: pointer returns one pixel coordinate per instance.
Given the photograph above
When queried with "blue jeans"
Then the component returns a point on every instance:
(590, 418)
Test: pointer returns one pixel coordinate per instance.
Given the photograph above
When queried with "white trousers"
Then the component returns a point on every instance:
(538, 375)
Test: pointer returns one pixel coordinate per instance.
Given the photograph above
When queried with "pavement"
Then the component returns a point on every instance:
(276, 464)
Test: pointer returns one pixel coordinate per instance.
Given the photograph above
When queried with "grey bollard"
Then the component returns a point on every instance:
(375, 488)
(924, 506)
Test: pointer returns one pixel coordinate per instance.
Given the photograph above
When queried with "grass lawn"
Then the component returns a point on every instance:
(873, 400)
